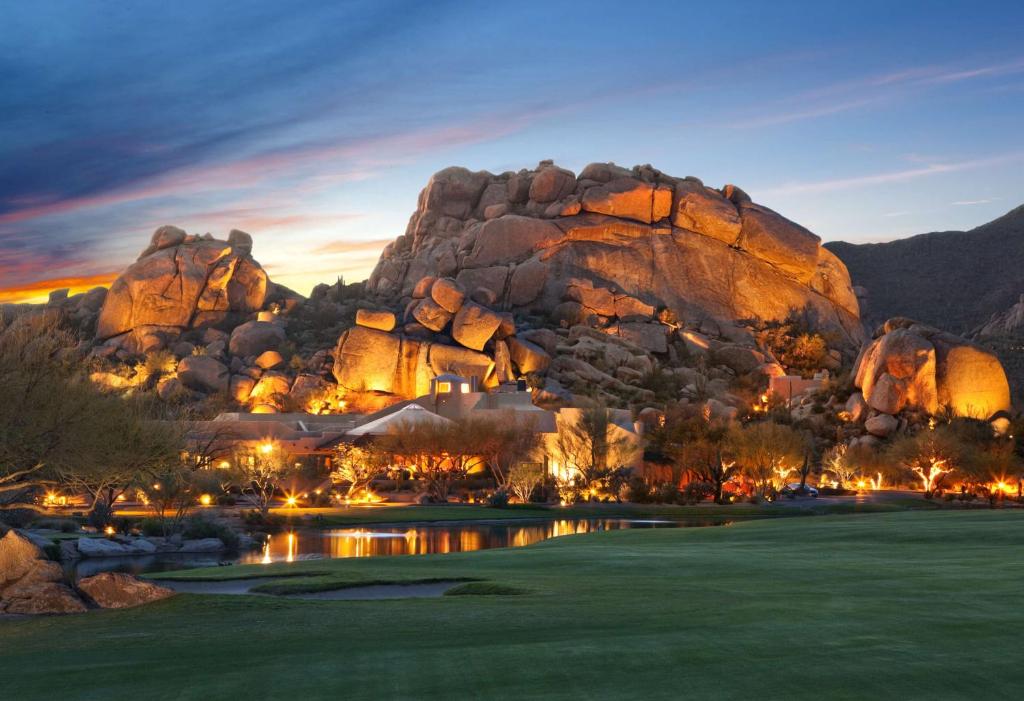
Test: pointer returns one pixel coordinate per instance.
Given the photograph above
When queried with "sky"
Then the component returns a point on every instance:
(314, 125)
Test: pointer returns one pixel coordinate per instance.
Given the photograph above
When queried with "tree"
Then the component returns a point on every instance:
(767, 453)
(259, 472)
(356, 465)
(587, 444)
(838, 462)
(929, 456)
(504, 442)
(696, 444)
(436, 453)
(524, 478)
(125, 447)
(46, 407)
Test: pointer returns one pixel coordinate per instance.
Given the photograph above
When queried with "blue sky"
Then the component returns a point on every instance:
(313, 125)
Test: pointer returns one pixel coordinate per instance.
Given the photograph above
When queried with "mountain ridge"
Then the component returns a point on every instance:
(953, 279)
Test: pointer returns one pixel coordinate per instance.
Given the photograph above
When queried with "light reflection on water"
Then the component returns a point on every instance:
(374, 541)
(423, 539)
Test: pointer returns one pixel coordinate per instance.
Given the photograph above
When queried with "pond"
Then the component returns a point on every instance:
(379, 541)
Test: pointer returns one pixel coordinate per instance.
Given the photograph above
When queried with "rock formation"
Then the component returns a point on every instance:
(614, 244)
(182, 282)
(370, 358)
(31, 584)
(913, 366)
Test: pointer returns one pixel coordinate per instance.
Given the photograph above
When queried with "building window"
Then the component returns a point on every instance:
(465, 388)
(444, 387)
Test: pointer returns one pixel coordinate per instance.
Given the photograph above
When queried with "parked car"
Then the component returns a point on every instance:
(795, 490)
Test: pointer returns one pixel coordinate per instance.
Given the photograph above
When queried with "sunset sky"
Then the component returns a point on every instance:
(313, 125)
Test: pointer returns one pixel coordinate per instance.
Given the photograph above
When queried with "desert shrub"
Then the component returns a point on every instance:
(64, 525)
(151, 527)
(667, 493)
(197, 527)
(696, 492)
(17, 518)
(638, 491)
(499, 499)
(268, 523)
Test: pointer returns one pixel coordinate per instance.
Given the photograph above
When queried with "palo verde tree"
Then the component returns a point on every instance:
(929, 455)
(260, 470)
(767, 453)
(354, 465)
(587, 444)
(697, 444)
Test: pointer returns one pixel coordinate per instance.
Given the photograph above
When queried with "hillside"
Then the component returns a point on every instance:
(952, 279)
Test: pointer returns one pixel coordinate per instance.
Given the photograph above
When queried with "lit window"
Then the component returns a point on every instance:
(444, 387)
(465, 387)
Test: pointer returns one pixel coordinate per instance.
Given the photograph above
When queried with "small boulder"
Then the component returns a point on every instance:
(270, 360)
(448, 294)
(116, 590)
(882, 425)
(431, 315)
(376, 319)
(101, 547)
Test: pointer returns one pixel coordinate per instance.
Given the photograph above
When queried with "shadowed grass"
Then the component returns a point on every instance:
(912, 605)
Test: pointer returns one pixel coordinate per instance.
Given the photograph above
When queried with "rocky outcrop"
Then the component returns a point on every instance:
(31, 584)
(182, 282)
(913, 366)
(546, 242)
(444, 332)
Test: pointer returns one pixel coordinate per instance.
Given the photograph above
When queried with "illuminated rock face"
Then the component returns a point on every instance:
(371, 360)
(181, 282)
(664, 241)
(914, 366)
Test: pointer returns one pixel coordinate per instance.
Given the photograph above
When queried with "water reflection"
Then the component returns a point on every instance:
(418, 539)
(374, 541)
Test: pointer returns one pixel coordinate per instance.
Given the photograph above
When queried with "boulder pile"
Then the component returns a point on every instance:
(181, 282)
(915, 367)
(442, 330)
(616, 245)
(32, 584)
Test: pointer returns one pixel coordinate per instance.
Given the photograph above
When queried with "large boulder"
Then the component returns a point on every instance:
(910, 365)
(705, 211)
(255, 337)
(181, 282)
(31, 584)
(474, 325)
(115, 590)
(367, 359)
(203, 373)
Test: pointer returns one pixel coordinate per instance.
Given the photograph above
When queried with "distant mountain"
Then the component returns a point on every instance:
(956, 280)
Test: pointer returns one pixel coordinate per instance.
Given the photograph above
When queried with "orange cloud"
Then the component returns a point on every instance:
(38, 291)
(353, 247)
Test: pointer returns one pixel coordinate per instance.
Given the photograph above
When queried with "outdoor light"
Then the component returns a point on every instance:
(291, 501)
(266, 448)
(109, 530)
(205, 499)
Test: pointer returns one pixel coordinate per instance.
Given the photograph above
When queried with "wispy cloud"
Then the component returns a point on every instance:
(846, 96)
(352, 247)
(964, 203)
(873, 179)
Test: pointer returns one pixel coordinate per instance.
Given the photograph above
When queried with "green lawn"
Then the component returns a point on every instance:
(890, 605)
